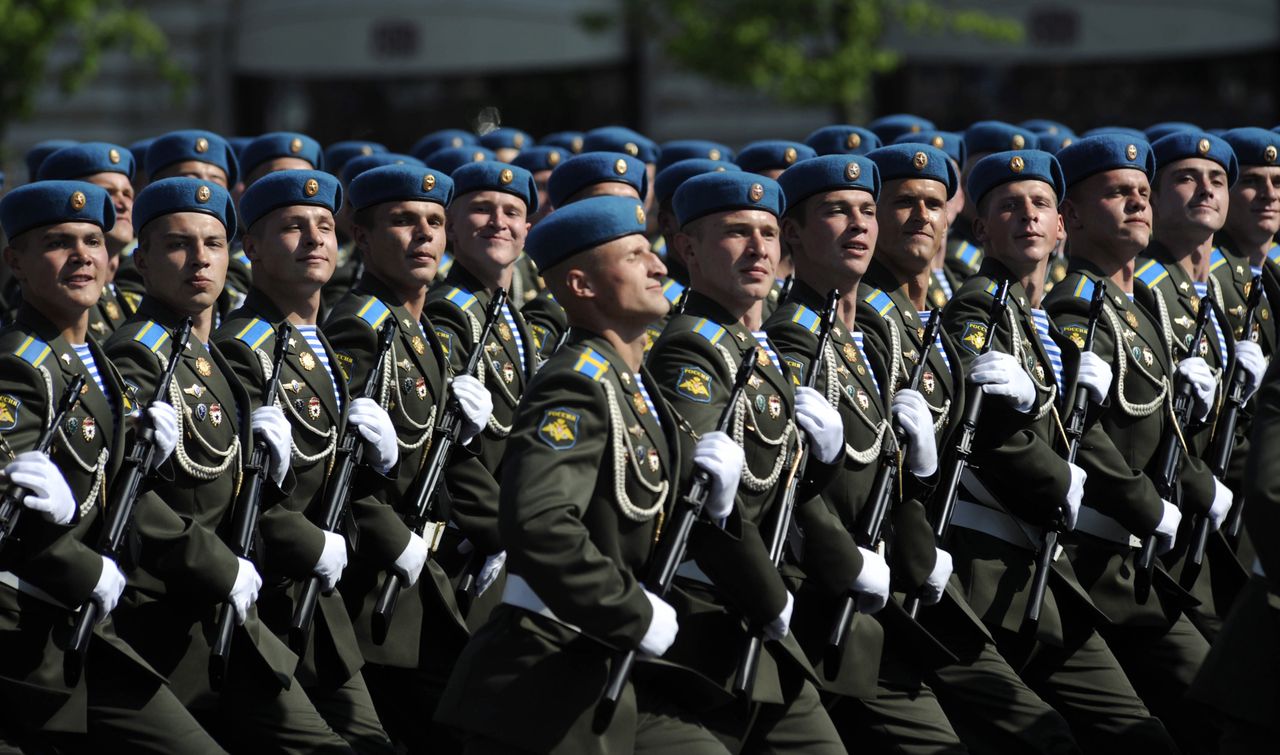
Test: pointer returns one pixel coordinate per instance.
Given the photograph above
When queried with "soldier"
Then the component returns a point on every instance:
(279, 150)
(111, 167)
(39, 152)
(964, 254)
(570, 141)
(729, 239)
(540, 162)
(1108, 217)
(770, 157)
(506, 143)
(399, 224)
(664, 190)
(843, 140)
(1019, 482)
(628, 142)
(892, 127)
(451, 158)
(289, 235)
(673, 152)
(172, 605)
(438, 140)
(57, 249)
(1253, 221)
(581, 508)
(945, 279)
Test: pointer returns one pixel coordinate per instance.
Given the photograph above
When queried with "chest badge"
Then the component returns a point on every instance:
(508, 372)
(215, 414)
(203, 367)
(775, 406)
(1131, 318)
(195, 390)
(313, 407)
(307, 361)
(638, 402)
(418, 345)
(420, 386)
(928, 382)
(653, 460)
(850, 353)
(113, 310)
(504, 331)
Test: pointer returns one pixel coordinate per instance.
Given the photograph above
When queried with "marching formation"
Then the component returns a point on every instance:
(890, 440)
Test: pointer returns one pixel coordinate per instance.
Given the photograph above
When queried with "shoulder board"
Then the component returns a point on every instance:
(672, 290)
(446, 263)
(1217, 259)
(459, 298)
(1274, 253)
(152, 335)
(991, 288)
(807, 318)
(1151, 272)
(659, 246)
(373, 311)
(592, 364)
(33, 351)
(968, 254)
(879, 300)
(1083, 288)
(255, 333)
(242, 258)
(708, 330)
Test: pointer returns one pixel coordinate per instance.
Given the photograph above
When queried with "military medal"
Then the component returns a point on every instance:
(927, 382)
(762, 359)
(759, 403)
(73, 424)
(1184, 322)
(653, 460)
(418, 345)
(504, 331)
(1204, 347)
(203, 368)
(754, 381)
(195, 390)
(636, 430)
(420, 385)
(308, 362)
(113, 310)
(299, 405)
(508, 372)
(1131, 318)
(939, 298)
(910, 355)
(864, 401)
(215, 414)
(638, 402)
(1137, 354)
(1148, 357)
(1264, 314)
(1129, 335)
(861, 370)
(404, 364)
(1195, 304)
(850, 352)
(775, 406)
(88, 428)
(1039, 372)
(202, 411)
(313, 407)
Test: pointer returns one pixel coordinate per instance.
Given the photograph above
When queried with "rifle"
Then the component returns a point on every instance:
(958, 460)
(1074, 430)
(245, 524)
(747, 666)
(881, 495)
(1169, 459)
(1224, 437)
(423, 494)
(671, 550)
(11, 503)
(348, 455)
(135, 467)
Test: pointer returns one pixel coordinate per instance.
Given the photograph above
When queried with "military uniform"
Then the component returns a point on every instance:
(109, 313)
(329, 669)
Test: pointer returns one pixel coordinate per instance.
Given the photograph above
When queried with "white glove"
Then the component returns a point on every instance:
(1075, 493)
(821, 422)
(911, 412)
(489, 571)
(269, 422)
(110, 584)
(779, 627)
(47, 490)
(374, 425)
(409, 564)
(333, 559)
(720, 457)
(1249, 357)
(1222, 500)
(164, 426)
(999, 374)
(476, 403)
(662, 627)
(1095, 376)
(872, 583)
(244, 593)
(933, 587)
(1167, 529)
(1196, 371)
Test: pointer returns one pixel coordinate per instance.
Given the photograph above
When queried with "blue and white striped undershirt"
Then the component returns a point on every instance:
(1041, 319)
(1202, 290)
(82, 351)
(515, 333)
(644, 393)
(941, 278)
(313, 340)
(857, 341)
(937, 346)
(762, 338)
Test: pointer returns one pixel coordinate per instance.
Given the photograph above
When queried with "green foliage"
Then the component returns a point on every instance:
(814, 52)
(30, 29)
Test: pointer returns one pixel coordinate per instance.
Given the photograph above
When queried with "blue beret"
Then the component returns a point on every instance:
(1045, 126)
(1181, 145)
(507, 138)
(669, 179)
(1055, 143)
(139, 150)
(52, 202)
(709, 193)
(1218, 132)
(771, 154)
(541, 157)
(442, 139)
(238, 143)
(449, 159)
(998, 136)
(570, 140)
(289, 188)
(948, 141)
(1095, 154)
(842, 140)
(337, 154)
(1253, 146)
(496, 176)
(688, 149)
(85, 160)
(36, 155)
(357, 165)
(180, 194)
(281, 144)
(577, 173)
(620, 139)
(399, 183)
(1160, 130)
(193, 144)
(829, 173)
(1001, 168)
(581, 226)
(915, 161)
(1132, 133)
(890, 127)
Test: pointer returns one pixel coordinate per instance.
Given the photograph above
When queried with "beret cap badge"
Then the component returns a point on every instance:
(78, 200)
(1016, 164)
(789, 156)
(1018, 141)
(114, 156)
(631, 149)
(506, 176)
(852, 170)
(311, 187)
(553, 158)
(938, 142)
(366, 150)
(920, 161)
(203, 194)
(477, 157)
(756, 192)
(852, 140)
(1131, 152)
(640, 214)
(1269, 154)
(428, 182)
(713, 154)
(1203, 146)
(295, 146)
(518, 140)
(202, 145)
(620, 167)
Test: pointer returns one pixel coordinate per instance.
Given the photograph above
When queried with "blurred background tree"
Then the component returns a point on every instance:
(809, 52)
(30, 29)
